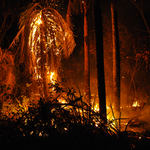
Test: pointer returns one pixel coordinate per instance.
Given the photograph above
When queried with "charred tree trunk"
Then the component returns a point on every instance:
(86, 56)
(100, 59)
(116, 57)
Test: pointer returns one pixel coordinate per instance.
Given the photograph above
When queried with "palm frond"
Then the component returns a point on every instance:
(53, 21)
(16, 39)
(25, 15)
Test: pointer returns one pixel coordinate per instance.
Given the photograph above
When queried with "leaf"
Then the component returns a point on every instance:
(8, 88)
(5, 94)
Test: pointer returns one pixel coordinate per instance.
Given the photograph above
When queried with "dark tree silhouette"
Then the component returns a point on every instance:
(100, 59)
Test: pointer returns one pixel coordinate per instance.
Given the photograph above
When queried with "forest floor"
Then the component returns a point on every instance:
(71, 126)
(53, 127)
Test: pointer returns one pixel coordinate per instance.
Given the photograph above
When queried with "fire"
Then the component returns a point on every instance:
(96, 108)
(62, 101)
(35, 39)
(135, 104)
(39, 21)
(52, 77)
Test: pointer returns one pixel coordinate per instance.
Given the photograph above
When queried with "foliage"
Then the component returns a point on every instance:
(62, 118)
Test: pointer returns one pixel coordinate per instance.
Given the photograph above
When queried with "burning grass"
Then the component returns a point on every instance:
(64, 121)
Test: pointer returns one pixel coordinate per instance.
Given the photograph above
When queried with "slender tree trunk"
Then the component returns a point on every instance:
(100, 59)
(86, 56)
(116, 57)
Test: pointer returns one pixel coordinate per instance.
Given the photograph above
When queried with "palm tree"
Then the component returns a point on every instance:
(82, 6)
(100, 59)
(44, 37)
(116, 57)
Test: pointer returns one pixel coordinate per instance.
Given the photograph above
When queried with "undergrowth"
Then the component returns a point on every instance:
(62, 120)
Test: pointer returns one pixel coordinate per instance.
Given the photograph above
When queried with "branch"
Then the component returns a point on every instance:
(142, 14)
(134, 29)
(5, 26)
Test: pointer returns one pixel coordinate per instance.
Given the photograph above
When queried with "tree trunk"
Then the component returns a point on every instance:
(116, 57)
(100, 59)
(86, 56)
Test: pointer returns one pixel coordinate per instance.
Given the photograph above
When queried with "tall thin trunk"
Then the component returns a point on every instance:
(116, 57)
(100, 59)
(86, 55)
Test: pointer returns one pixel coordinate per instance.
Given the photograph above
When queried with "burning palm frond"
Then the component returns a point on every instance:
(51, 25)
(44, 37)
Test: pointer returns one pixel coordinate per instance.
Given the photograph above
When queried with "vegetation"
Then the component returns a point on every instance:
(71, 123)
(63, 121)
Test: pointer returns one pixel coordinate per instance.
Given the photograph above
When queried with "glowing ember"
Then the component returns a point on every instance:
(65, 129)
(62, 101)
(40, 133)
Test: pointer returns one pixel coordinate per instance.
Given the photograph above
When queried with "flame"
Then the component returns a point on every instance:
(39, 21)
(35, 34)
(135, 104)
(62, 101)
(96, 108)
(52, 78)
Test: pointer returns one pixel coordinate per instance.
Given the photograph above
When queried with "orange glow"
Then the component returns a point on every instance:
(96, 108)
(135, 104)
(62, 101)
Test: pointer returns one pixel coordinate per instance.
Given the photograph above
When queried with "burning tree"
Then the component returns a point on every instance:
(44, 36)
